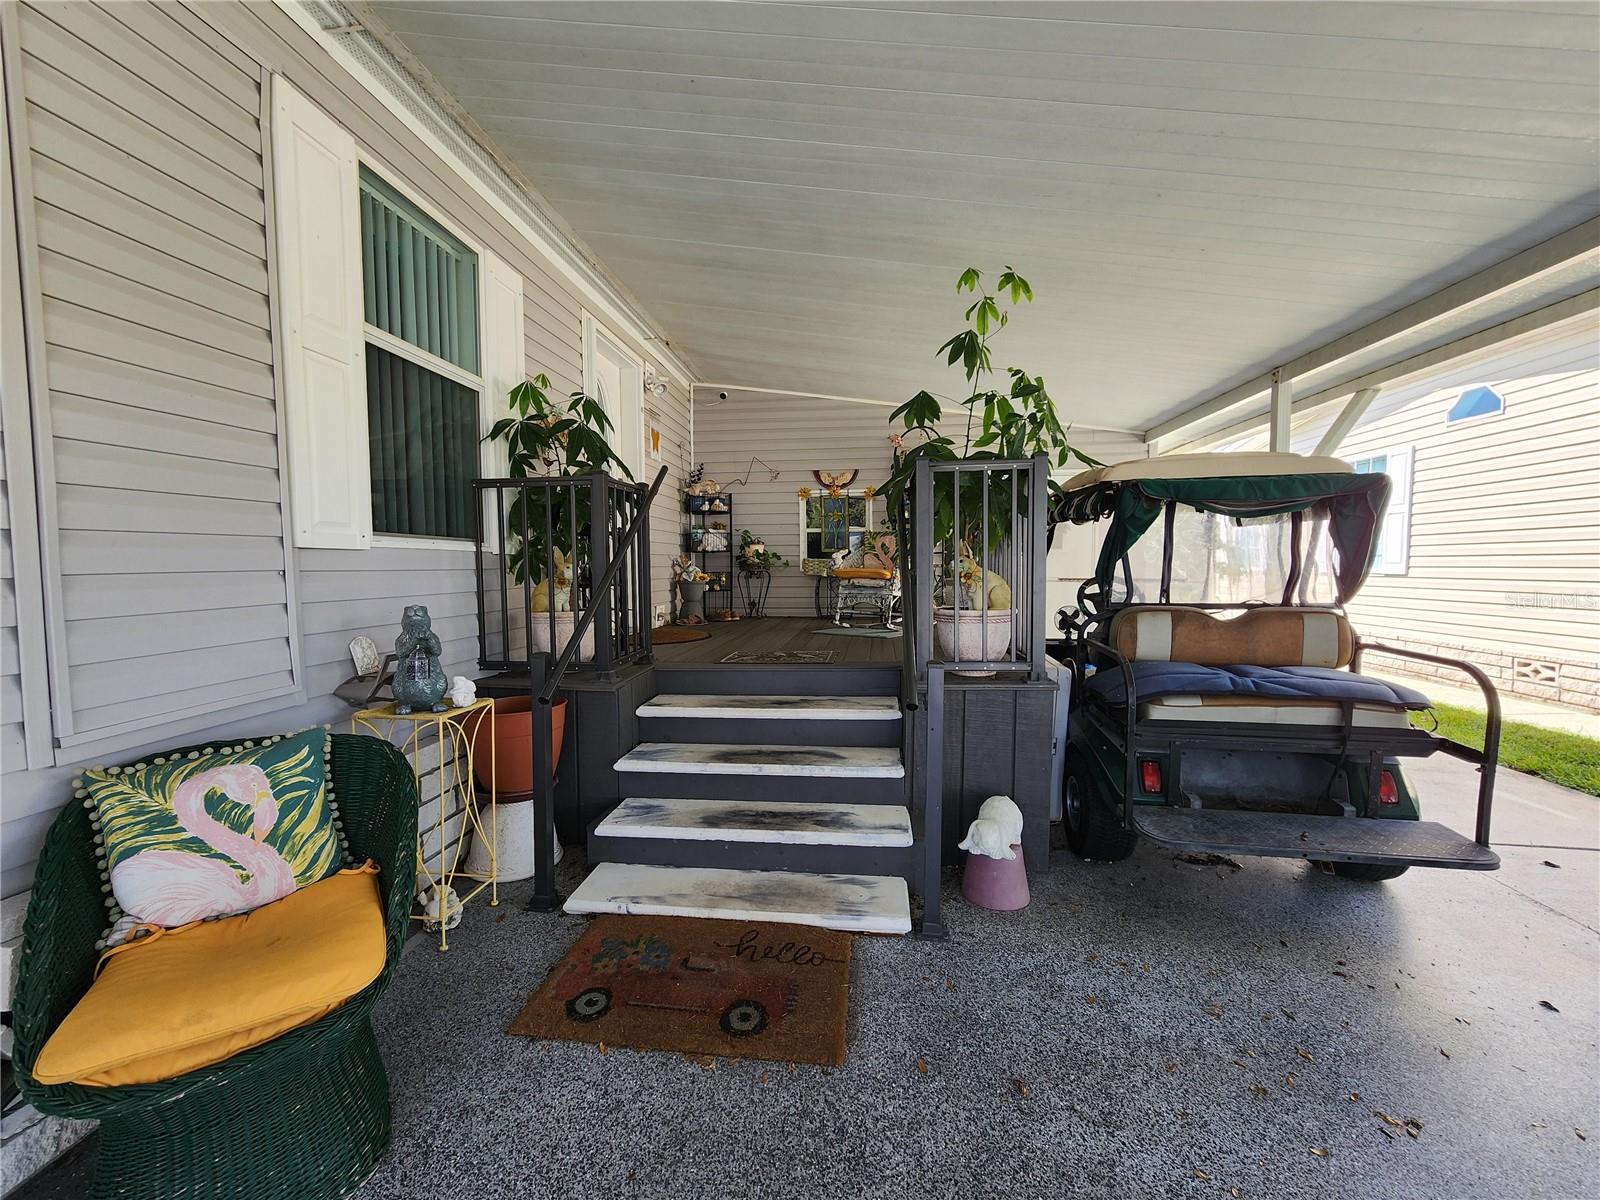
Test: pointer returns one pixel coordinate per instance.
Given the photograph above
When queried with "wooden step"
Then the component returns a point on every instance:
(774, 708)
(859, 903)
(800, 823)
(732, 758)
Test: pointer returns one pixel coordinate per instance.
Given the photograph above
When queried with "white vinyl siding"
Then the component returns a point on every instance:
(159, 360)
(160, 365)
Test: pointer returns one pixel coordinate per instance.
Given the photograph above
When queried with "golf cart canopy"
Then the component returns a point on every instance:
(1239, 528)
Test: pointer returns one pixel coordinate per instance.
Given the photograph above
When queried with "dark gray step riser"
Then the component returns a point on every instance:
(785, 789)
(789, 731)
(730, 680)
(753, 856)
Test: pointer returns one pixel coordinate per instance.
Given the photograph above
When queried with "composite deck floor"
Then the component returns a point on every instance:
(769, 634)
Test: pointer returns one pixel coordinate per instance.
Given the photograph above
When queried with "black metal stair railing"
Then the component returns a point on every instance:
(604, 570)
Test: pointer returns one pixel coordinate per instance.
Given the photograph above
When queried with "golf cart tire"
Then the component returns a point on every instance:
(1097, 834)
(1369, 872)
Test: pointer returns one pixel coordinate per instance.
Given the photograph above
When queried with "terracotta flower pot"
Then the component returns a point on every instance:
(508, 766)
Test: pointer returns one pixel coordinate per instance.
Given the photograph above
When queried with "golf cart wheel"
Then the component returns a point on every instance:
(589, 1005)
(744, 1018)
(1369, 872)
(1093, 830)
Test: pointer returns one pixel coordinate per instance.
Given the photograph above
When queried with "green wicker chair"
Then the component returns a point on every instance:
(302, 1117)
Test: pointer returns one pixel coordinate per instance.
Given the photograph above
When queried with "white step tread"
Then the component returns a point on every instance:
(735, 758)
(798, 824)
(859, 903)
(771, 708)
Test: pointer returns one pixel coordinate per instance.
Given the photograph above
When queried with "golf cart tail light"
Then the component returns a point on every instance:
(1388, 790)
(1150, 776)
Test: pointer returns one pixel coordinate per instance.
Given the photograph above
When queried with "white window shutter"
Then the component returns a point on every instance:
(503, 368)
(317, 209)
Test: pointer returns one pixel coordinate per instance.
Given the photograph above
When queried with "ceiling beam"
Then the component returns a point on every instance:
(1586, 304)
(1518, 270)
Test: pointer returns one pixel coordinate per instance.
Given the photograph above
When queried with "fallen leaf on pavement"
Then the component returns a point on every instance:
(1582, 1136)
(1258, 1090)
(1547, 1004)
(1214, 1010)
(1444, 1052)
(1289, 1078)
(1235, 1193)
(1022, 1087)
(1396, 1122)
(1303, 1054)
(922, 1066)
(1207, 860)
(1548, 863)
(1355, 1095)
(1199, 1174)
(1320, 1152)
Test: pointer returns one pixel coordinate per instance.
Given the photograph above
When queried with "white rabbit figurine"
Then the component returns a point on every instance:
(997, 829)
(462, 692)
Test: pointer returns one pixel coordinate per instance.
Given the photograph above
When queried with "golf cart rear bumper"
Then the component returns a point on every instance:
(1324, 839)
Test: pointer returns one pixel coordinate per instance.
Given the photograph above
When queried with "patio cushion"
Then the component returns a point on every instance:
(1156, 679)
(1266, 637)
(1261, 710)
(187, 998)
(216, 832)
(882, 574)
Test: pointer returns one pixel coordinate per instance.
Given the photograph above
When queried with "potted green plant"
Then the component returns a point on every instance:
(1016, 420)
(756, 564)
(545, 436)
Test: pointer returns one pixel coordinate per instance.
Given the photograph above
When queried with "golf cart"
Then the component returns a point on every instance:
(1217, 703)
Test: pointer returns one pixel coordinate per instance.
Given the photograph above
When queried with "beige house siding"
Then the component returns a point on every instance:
(1504, 562)
(146, 209)
(798, 434)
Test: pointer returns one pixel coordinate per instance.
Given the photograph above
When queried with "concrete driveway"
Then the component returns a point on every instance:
(1151, 1028)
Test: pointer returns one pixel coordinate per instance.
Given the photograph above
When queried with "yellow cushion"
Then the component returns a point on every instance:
(187, 998)
(862, 573)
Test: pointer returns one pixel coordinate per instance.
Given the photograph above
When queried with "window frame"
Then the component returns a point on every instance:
(807, 529)
(1395, 561)
(1451, 422)
(400, 348)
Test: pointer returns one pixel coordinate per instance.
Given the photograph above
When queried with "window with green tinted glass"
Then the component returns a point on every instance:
(420, 290)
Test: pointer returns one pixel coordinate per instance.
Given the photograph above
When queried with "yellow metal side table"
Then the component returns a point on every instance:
(451, 737)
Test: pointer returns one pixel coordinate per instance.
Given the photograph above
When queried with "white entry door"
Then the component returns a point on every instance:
(615, 377)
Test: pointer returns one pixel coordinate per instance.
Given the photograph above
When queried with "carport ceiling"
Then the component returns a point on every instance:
(1198, 191)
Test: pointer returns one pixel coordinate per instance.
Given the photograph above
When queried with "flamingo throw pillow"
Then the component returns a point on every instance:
(209, 833)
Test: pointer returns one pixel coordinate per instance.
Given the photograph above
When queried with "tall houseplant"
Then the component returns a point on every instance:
(1008, 415)
(546, 436)
(550, 436)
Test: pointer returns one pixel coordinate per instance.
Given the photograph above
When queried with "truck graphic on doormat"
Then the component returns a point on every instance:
(641, 972)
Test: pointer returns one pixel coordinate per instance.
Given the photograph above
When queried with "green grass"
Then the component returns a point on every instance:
(1566, 758)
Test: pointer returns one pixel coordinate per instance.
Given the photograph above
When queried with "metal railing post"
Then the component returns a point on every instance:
(922, 544)
(646, 615)
(932, 746)
(599, 561)
(1038, 484)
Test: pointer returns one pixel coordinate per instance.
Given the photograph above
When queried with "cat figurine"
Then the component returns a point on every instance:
(419, 681)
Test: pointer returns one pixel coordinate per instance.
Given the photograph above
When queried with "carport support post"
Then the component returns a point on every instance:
(1282, 404)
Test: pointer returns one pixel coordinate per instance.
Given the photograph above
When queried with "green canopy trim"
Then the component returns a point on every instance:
(1353, 504)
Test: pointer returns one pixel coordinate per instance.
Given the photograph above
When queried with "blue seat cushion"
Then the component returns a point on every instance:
(1155, 679)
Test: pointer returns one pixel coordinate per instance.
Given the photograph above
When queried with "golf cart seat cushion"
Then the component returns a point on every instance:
(1155, 680)
(1261, 710)
(1264, 637)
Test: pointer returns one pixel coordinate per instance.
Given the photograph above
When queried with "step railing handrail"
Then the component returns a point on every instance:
(586, 619)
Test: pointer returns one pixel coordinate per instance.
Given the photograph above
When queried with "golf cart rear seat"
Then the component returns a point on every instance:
(1267, 666)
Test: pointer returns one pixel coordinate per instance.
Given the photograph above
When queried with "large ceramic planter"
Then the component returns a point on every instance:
(513, 841)
(539, 623)
(691, 600)
(974, 637)
(507, 765)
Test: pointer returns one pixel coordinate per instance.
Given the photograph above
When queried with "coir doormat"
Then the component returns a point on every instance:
(781, 658)
(736, 988)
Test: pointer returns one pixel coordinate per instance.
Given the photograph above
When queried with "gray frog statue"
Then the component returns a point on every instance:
(419, 681)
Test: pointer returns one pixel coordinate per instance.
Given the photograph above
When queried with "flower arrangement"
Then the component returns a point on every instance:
(684, 571)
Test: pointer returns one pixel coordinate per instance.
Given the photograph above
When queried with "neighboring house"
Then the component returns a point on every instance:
(227, 243)
(1491, 550)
